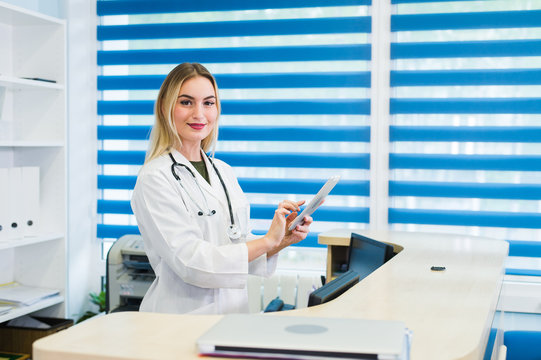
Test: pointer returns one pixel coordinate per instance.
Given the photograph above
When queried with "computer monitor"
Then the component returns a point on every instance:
(333, 289)
(366, 255)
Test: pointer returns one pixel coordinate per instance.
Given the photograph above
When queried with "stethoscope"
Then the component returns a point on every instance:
(233, 231)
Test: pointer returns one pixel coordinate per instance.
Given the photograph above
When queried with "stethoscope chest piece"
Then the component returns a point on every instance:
(233, 232)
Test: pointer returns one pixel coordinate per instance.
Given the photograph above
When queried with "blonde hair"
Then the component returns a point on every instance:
(164, 135)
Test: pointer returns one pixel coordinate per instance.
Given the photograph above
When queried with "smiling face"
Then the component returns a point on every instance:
(195, 113)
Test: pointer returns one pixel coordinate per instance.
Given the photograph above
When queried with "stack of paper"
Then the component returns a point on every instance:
(5, 309)
(18, 294)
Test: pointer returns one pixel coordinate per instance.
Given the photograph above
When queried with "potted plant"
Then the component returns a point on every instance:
(97, 299)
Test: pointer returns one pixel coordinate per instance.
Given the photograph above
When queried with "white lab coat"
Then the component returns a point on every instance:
(199, 269)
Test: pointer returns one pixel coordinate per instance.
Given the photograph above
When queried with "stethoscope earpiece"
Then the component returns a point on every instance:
(212, 212)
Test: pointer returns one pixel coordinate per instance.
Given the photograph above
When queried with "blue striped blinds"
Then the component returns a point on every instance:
(263, 133)
(422, 1)
(465, 190)
(255, 185)
(435, 154)
(116, 231)
(460, 21)
(467, 49)
(466, 77)
(229, 55)
(466, 218)
(522, 272)
(256, 159)
(466, 106)
(465, 162)
(524, 248)
(258, 211)
(248, 81)
(252, 107)
(525, 134)
(138, 49)
(235, 28)
(123, 7)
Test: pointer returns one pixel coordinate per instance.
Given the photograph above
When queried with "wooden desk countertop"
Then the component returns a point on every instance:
(449, 312)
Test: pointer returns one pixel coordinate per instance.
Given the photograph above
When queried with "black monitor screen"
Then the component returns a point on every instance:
(366, 255)
(333, 289)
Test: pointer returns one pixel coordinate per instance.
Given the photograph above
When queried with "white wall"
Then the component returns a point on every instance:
(49, 7)
(84, 251)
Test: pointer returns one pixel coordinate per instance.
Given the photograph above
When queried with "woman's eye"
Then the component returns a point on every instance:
(185, 102)
(209, 103)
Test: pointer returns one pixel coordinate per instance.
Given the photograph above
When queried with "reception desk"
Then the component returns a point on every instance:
(450, 312)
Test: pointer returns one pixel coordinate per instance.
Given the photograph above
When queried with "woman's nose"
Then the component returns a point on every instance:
(198, 111)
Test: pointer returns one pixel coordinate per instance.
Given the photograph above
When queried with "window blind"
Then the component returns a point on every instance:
(465, 118)
(294, 84)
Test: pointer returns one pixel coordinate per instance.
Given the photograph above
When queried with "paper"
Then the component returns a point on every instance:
(18, 294)
(5, 309)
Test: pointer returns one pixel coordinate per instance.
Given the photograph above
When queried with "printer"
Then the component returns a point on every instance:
(128, 273)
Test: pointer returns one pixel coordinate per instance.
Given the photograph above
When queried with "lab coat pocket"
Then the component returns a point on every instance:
(205, 309)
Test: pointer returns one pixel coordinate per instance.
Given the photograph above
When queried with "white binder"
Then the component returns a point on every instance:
(30, 200)
(4, 214)
(15, 208)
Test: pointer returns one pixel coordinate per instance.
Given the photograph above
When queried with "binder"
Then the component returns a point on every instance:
(30, 200)
(4, 191)
(15, 209)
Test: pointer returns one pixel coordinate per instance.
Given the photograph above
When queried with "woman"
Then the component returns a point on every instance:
(191, 211)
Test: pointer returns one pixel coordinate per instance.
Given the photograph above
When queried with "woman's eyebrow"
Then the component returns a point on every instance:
(191, 97)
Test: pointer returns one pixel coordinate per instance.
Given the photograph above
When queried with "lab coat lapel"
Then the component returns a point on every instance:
(215, 187)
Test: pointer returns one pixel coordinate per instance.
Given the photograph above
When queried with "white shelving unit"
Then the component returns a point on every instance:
(33, 133)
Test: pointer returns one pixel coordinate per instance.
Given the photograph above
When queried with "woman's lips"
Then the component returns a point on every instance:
(196, 126)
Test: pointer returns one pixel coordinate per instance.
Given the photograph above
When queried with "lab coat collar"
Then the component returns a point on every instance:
(215, 188)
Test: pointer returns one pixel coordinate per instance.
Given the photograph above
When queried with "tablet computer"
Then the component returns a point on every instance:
(316, 201)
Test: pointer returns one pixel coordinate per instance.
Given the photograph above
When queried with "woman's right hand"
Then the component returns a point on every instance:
(271, 242)
(277, 230)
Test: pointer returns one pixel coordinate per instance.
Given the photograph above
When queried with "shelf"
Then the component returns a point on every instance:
(24, 310)
(33, 134)
(20, 83)
(18, 16)
(13, 243)
(30, 144)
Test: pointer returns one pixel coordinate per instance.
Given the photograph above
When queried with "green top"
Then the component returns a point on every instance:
(201, 169)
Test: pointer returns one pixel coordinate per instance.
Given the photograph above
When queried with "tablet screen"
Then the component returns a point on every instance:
(316, 201)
